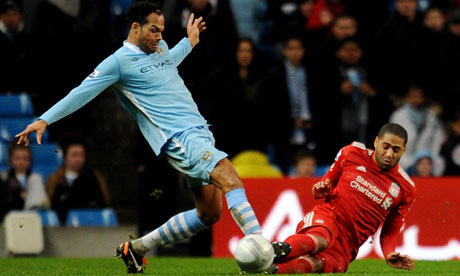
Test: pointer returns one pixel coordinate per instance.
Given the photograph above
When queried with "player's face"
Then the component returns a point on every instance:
(388, 151)
(149, 34)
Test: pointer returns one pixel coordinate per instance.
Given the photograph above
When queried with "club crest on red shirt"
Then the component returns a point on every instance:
(394, 189)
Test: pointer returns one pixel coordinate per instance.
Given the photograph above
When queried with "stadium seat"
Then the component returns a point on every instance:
(23, 233)
(15, 105)
(48, 154)
(49, 217)
(253, 164)
(91, 217)
(9, 127)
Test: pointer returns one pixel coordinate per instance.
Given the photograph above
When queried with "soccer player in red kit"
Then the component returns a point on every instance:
(363, 189)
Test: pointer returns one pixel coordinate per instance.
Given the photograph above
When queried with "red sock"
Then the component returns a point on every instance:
(301, 245)
(298, 266)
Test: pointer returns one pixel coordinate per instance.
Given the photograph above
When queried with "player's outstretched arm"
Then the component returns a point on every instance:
(37, 127)
(194, 28)
(321, 189)
(396, 260)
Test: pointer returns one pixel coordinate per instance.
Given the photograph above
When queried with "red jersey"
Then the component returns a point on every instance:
(364, 196)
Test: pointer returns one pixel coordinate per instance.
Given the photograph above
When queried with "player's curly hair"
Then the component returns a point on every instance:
(139, 10)
(394, 129)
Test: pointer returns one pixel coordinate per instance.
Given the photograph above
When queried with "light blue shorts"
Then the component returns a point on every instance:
(192, 152)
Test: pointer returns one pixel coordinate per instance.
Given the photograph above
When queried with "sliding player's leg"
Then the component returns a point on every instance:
(316, 232)
(331, 260)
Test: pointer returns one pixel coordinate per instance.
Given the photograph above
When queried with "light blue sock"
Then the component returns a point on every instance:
(179, 227)
(242, 212)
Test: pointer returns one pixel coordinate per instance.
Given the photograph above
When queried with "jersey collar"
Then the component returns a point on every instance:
(133, 47)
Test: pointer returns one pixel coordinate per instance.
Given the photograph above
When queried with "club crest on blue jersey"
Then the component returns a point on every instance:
(206, 156)
(394, 189)
(160, 51)
(93, 75)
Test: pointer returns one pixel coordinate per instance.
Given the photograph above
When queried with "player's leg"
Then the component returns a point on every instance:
(225, 177)
(315, 233)
(331, 260)
(300, 265)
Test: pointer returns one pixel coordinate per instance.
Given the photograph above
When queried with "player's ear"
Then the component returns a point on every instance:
(376, 141)
(135, 27)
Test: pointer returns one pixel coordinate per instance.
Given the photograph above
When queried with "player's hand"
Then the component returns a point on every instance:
(37, 127)
(396, 260)
(194, 28)
(322, 189)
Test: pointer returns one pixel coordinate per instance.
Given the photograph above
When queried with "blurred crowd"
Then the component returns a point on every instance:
(287, 78)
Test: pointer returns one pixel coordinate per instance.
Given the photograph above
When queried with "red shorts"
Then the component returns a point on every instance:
(334, 257)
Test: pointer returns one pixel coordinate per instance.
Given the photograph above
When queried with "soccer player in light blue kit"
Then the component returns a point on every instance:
(144, 74)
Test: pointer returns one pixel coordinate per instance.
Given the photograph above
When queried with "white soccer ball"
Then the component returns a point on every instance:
(254, 253)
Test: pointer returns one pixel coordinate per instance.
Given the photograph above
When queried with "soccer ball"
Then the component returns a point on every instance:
(254, 253)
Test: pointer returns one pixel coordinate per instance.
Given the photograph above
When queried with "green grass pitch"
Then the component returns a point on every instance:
(191, 266)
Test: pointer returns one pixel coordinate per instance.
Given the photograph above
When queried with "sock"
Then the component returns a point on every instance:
(179, 227)
(301, 245)
(242, 212)
(300, 265)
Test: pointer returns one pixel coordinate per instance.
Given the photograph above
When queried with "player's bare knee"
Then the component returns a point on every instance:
(210, 216)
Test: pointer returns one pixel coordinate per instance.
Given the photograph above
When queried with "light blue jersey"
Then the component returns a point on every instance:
(148, 86)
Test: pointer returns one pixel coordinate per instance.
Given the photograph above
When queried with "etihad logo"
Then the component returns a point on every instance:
(159, 66)
(361, 168)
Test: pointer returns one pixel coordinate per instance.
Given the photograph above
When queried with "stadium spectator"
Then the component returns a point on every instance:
(363, 190)
(289, 100)
(20, 188)
(355, 92)
(75, 185)
(290, 17)
(324, 12)
(245, 127)
(249, 17)
(16, 50)
(432, 43)
(215, 44)
(398, 50)
(144, 74)
(450, 149)
(450, 69)
(305, 164)
(425, 130)
(423, 164)
(324, 54)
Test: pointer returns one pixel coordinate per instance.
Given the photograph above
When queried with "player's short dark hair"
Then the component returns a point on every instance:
(395, 129)
(139, 10)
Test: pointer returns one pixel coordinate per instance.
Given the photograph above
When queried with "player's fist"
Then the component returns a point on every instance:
(396, 260)
(322, 189)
